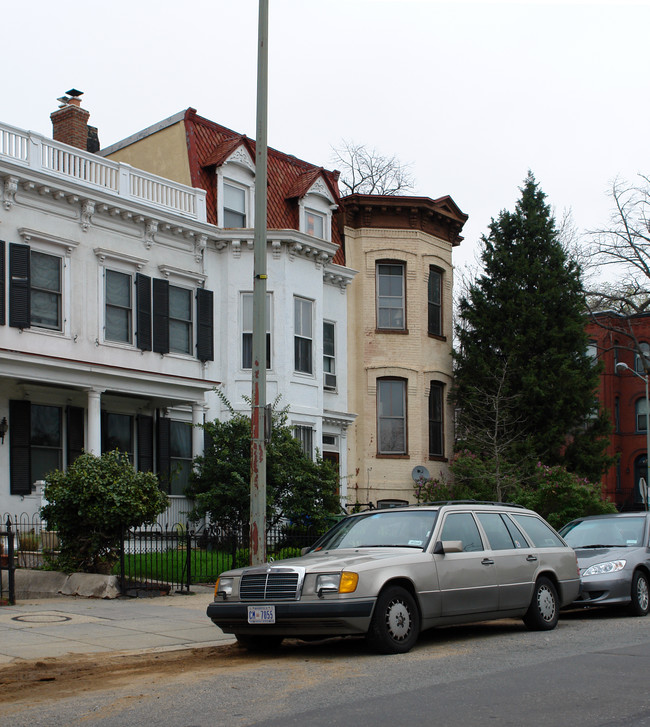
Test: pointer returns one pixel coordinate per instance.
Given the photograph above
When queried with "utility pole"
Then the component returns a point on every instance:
(257, 539)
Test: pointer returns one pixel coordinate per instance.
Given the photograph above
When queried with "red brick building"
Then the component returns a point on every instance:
(618, 339)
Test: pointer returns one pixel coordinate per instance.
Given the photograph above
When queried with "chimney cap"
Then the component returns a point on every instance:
(74, 93)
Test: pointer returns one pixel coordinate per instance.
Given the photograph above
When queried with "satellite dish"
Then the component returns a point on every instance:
(420, 473)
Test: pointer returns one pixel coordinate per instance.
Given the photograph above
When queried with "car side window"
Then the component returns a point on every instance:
(516, 534)
(461, 526)
(496, 531)
(539, 532)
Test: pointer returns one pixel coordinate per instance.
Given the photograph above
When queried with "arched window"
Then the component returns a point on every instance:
(436, 420)
(391, 416)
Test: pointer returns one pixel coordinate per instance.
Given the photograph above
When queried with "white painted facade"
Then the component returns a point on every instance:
(93, 216)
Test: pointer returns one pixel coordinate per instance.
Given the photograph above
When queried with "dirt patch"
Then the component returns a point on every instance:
(47, 678)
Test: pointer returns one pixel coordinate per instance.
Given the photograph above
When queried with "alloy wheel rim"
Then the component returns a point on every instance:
(642, 593)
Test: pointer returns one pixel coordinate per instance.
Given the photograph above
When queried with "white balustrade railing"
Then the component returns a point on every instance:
(42, 154)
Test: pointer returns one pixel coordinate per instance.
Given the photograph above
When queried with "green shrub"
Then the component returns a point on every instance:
(560, 496)
(91, 504)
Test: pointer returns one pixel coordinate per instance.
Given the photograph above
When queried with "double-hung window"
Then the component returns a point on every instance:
(119, 307)
(436, 431)
(180, 320)
(391, 302)
(391, 416)
(305, 435)
(435, 302)
(303, 339)
(234, 205)
(329, 355)
(247, 330)
(45, 291)
(46, 440)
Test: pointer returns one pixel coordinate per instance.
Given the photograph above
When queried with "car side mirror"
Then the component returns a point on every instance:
(448, 546)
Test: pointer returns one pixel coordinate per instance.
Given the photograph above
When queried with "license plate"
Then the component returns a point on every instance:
(261, 614)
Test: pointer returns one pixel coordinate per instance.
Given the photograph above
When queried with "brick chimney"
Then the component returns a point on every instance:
(70, 123)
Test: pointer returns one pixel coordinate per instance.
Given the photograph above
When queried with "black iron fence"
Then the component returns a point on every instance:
(7, 563)
(155, 558)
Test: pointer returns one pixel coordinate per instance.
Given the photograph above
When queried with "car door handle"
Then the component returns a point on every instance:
(487, 561)
(531, 558)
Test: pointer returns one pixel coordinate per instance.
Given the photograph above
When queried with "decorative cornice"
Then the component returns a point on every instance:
(169, 271)
(10, 189)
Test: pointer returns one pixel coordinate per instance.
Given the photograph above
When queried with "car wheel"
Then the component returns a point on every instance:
(640, 603)
(264, 642)
(543, 612)
(395, 624)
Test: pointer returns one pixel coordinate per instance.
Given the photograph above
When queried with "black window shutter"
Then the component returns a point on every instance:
(204, 325)
(75, 430)
(143, 307)
(160, 315)
(145, 443)
(20, 434)
(19, 286)
(3, 271)
(163, 464)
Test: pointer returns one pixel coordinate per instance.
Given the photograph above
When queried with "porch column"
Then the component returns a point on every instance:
(94, 438)
(198, 408)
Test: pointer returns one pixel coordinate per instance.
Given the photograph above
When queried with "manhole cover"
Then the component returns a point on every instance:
(42, 618)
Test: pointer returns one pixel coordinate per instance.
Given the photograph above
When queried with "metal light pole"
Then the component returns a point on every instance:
(620, 366)
(257, 538)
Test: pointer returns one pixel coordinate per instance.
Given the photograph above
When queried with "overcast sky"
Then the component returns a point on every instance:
(473, 94)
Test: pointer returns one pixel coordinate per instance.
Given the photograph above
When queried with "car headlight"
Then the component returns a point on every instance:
(223, 588)
(602, 568)
(345, 582)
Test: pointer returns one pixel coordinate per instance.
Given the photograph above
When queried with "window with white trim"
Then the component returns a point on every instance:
(180, 451)
(314, 224)
(303, 337)
(180, 320)
(247, 330)
(641, 357)
(329, 355)
(234, 205)
(118, 325)
(641, 415)
(46, 290)
(305, 435)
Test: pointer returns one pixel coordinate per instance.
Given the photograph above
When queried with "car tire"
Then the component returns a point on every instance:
(640, 603)
(395, 624)
(544, 610)
(263, 642)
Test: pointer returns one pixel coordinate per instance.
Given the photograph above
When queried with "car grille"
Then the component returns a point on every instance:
(270, 586)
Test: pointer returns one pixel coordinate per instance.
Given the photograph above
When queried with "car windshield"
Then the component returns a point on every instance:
(381, 528)
(605, 532)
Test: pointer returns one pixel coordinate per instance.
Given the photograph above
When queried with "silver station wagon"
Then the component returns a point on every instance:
(389, 574)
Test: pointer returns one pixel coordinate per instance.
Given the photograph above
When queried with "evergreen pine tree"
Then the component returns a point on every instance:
(523, 323)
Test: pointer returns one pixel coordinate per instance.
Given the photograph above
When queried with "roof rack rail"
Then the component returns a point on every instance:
(473, 502)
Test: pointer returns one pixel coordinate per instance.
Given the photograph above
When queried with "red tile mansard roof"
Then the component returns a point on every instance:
(209, 145)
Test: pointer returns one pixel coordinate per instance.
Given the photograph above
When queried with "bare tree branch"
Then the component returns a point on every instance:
(366, 171)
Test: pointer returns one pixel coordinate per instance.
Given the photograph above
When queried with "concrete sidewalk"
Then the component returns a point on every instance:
(53, 627)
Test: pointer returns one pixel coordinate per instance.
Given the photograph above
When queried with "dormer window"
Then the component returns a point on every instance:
(235, 189)
(314, 224)
(316, 207)
(234, 205)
